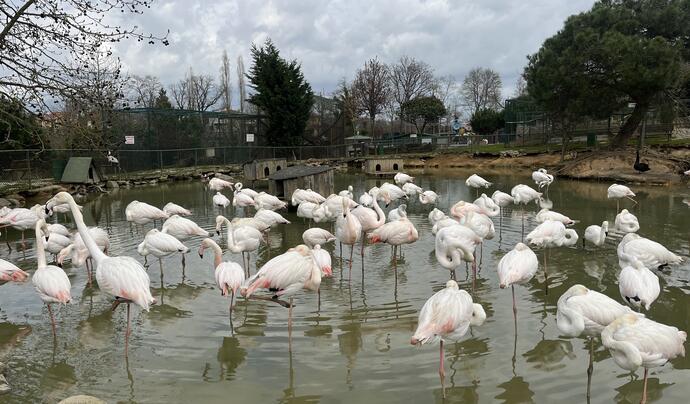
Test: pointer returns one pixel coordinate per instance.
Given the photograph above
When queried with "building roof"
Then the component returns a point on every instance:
(358, 137)
(77, 171)
(298, 171)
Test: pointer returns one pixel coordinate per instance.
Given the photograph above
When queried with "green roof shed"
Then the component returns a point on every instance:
(81, 170)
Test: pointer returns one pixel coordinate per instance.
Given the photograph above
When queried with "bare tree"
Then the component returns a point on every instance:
(346, 103)
(481, 89)
(40, 40)
(410, 78)
(144, 90)
(371, 89)
(443, 88)
(241, 83)
(225, 83)
(204, 92)
(179, 94)
(520, 87)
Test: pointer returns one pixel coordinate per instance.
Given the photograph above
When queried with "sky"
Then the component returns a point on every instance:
(333, 38)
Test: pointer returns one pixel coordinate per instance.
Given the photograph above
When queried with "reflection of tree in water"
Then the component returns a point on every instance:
(230, 356)
(350, 343)
(631, 392)
(548, 354)
(516, 391)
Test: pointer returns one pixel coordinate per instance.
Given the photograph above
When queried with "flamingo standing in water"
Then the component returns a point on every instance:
(142, 213)
(635, 341)
(584, 311)
(476, 182)
(428, 197)
(402, 178)
(517, 267)
(80, 254)
(348, 230)
(285, 275)
(447, 315)
(241, 198)
(650, 253)
(542, 178)
(241, 239)
(639, 286)
(619, 192)
(229, 275)
(220, 200)
(121, 277)
(395, 233)
(454, 244)
(11, 273)
(596, 234)
(397, 213)
(347, 193)
(371, 219)
(551, 234)
(217, 184)
(21, 219)
(174, 209)
(183, 229)
(626, 222)
(522, 195)
(268, 201)
(317, 236)
(51, 282)
(411, 189)
(161, 245)
(547, 214)
(502, 200)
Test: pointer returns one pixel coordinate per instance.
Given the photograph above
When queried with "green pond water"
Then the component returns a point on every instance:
(355, 347)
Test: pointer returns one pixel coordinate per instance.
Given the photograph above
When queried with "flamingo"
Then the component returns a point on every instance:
(435, 215)
(411, 189)
(142, 213)
(57, 228)
(397, 213)
(217, 184)
(241, 240)
(584, 311)
(271, 219)
(305, 209)
(635, 341)
(502, 200)
(546, 214)
(55, 243)
(483, 227)
(428, 197)
(649, 252)
(242, 199)
(174, 209)
(394, 192)
(80, 254)
(542, 178)
(51, 282)
(522, 195)
(371, 219)
(639, 286)
(517, 267)
(285, 275)
(11, 273)
(551, 234)
(317, 236)
(348, 229)
(268, 202)
(488, 206)
(626, 222)
(161, 245)
(112, 159)
(395, 233)
(596, 234)
(445, 222)
(402, 179)
(619, 192)
(462, 208)
(366, 200)
(21, 219)
(306, 195)
(447, 315)
(182, 228)
(454, 244)
(121, 277)
(220, 200)
(476, 182)
(247, 191)
(249, 221)
(347, 193)
(334, 205)
(229, 275)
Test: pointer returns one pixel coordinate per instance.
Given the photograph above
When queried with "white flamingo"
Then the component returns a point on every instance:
(51, 282)
(546, 214)
(639, 286)
(142, 213)
(220, 200)
(394, 192)
(522, 195)
(503, 200)
(242, 199)
(488, 205)
(247, 191)
(229, 275)
(476, 182)
(435, 215)
(317, 236)
(447, 316)
(583, 311)
(542, 178)
(650, 253)
(370, 219)
(161, 245)
(21, 219)
(174, 209)
(454, 244)
(402, 178)
(217, 184)
(619, 192)
(596, 234)
(347, 193)
(241, 240)
(397, 213)
(366, 200)
(411, 189)
(428, 197)
(268, 202)
(551, 234)
(626, 222)
(348, 229)
(306, 195)
(11, 273)
(121, 277)
(635, 341)
(80, 254)
(518, 266)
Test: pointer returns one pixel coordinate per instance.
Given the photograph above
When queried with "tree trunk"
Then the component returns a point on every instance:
(565, 139)
(631, 124)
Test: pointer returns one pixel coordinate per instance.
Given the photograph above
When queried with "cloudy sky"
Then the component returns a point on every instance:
(333, 38)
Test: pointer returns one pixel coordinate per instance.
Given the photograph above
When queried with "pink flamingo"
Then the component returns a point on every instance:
(51, 282)
(347, 229)
(447, 315)
(121, 277)
(11, 273)
(395, 233)
(517, 267)
(371, 219)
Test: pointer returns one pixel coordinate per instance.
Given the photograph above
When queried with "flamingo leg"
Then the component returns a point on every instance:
(546, 273)
(127, 332)
(644, 388)
(352, 248)
(52, 321)
(183, 265)
(618, 205)
(232, 297)
(442, 372)
(514, 305)
(590, 368)
(89, 270)
(363, 241)
(290, 321)
(160, 264)
(474, 273)
(523, 226)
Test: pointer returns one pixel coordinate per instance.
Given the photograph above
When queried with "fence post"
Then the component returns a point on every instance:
(28, 162)
(195, 158)
(160, 161)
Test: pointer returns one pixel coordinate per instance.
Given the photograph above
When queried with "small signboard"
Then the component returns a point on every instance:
(250, 138)
(426, 140)
(129, 139)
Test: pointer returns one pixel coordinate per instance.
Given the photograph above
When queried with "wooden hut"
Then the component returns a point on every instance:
(383, 166)
(317, 178)
(260, 169)
(81, 170)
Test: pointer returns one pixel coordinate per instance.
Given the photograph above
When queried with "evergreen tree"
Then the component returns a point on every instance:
(281, 93)
(162, 101)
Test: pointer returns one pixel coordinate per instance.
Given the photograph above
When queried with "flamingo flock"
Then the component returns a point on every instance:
(633, 339)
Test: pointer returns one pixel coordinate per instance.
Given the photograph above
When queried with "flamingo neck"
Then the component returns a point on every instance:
(40, 252)
(380, 216)
(89, 242)
(218, 254)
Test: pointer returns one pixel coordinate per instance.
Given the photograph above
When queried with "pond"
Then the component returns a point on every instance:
(355, 347)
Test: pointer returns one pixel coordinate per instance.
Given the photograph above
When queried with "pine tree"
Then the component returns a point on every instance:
(281, 93)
